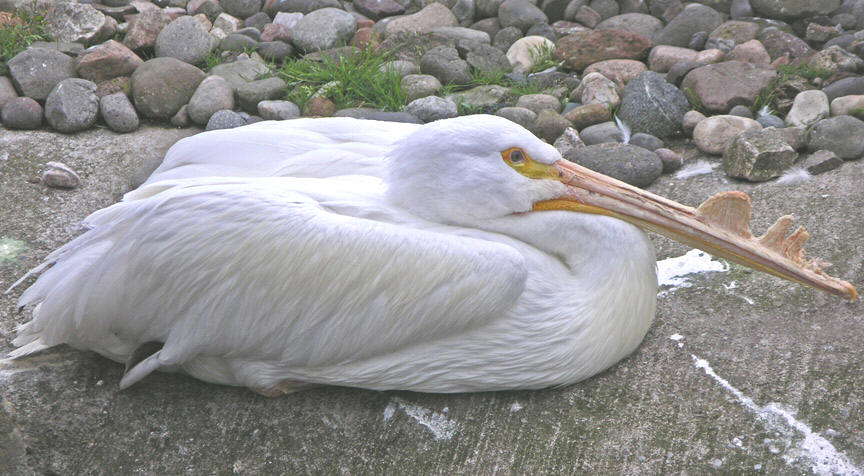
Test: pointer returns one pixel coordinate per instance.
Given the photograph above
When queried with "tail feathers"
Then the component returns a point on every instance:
(141, 369)
(28, 349)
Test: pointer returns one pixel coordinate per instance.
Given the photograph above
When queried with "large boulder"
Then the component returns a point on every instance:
(78, 22)
(35, 71)
(624, 162)
(843, 135)
(691, 20)
(584, 48)
(187, 40)
(161, 86)
(719, 87)
(653, 106)
(72, 105)
(323, 29)
(758, 155)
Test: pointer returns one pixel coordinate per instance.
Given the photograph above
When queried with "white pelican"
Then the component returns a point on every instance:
(289, 254)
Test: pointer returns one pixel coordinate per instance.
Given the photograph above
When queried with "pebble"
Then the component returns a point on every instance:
(653, 106)
(523, 52)
(601, 133)
(808, 108)
(520, 14)
(213, 94)
(416, 86)
(59, 175)
(444, 63)
(253, 92)
(821, 161)
(539, 102)
(431, 108)
(278, 110)
(225, 119)
(519, 115)
(646, 141)
(549, 125)
(161, 86)
(672, 161)
(588, 115)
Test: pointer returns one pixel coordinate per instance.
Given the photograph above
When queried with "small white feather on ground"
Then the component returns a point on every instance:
(794, 176)
(700, 167)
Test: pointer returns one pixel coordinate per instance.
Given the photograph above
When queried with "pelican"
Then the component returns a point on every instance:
(456, 256)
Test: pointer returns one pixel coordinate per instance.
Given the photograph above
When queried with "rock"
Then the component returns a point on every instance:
(260, 19)
(400, 68)
(834, 59)
(720, 86)
(821, 161)
(460, 33)
(697, 41)
(741, 9)
(568, 141)
(59, 175)
(793, 9)
(71, 49)
(521, 14)
(252, 33)
(770, 120)
(713, 134)
(187, 40)
(225, 119)
(212, 94)
(35, 71)
(80, 23)
(721, 44)
(779, 43)
(416, 86)
(845, 87)
(679, 70)
(646, 141)
(122, 84)
(275, 51)
(239, 72)
(376, 115)
(107, 61)
(488, 25)
(275, 32)
(671, 160)
(523, 53)
(480, 97)
(820, 34)
(487, 59)
(7, 91)
(237, 43)
(229, 24)
(209, 8)
(278, 110)
(601, 133)
(587, 16)
(653, 106)
(323, 29)
(21, 113)
(638, 23)
(750, 52)
(663, 57)
(305, 7)
(288, 20)
(588, 115)
(72, 105)
(378, 9)
(852, 105)
(424, 21)
(694, 18)
(582, 49)
(539, 102)
(253, 92)
(843, 135)
(625, 162)
(161, 86)
(809, 107)
(741, 111)
(758, 155)
(145, 29)
(621, 71)
(445, 64)
(710, 56)
(736, 31)
(507, 37)
(519, 115)
(318, 106)
(241, 8)
(549, 125)
(596, 88)
(431, 108)
(181, 119)
(118, 113)
(691, 120)
(796, 137)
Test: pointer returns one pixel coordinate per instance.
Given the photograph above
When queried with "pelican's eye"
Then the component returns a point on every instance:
(521, 162)
(516, 156)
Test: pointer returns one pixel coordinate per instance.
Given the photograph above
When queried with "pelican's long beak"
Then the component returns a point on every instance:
(719, 226)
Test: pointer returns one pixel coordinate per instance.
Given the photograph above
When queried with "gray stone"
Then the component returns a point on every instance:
(646, 141)
(519, 115)
(851, 86)
(35, 71)
(779, 43)
(638, 23)
(679, 70)
(691, 120)
(713, 134)
(59, 175)
(299, 6)
(809, 108)
(568, 141)
(181, 119)
(241, 8)
(400, 67)
(250, 32)
(118, 113)
(521, 14)
(490, 26)
(72, 105)
(538, 102)
(213, 94)
(606, 8)
(741, 111)
(796, 137)
(794, 9)
(542, 29)
(278, 110)
(258, 21)
(21, 113)
(378, 9)
(460, 33)
(487, 59)
(672, 160)
(161, 86)
(444, 63)
(323, 29)
(821, 161)
(549, 125)
(505, 37)
(376, 115)
(187, 40)
(240, 72)
(697, 41)
(723, 44)
(653, 106)
(481, 97)
(253, 92)
(431, 108)
(416, 86)
(238, 43)
(694, 18)
(7, 91)
(275, 51)
(601, 133)
(487, 8)
(79, 23)
(225, 119)
(69, 48)
(834, 59)
(843, 135)
(758, 155)
(741, 9)
(624, 162)
(464, 11)
(770, 120)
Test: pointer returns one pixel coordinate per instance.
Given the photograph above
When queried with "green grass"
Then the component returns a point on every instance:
(544, 58)
(786, 71)
(214, 58)
(358, 81)
(15, 38)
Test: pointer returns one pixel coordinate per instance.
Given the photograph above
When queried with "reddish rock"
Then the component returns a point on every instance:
(378, 9)
(582, 49)
(721, 86)
(275, 32)
(365, 38)
(318, 106)
(424, 21)
(750, 52)
(620, 71)
(146, 27)
(365, 23)
(108, 60)
(587, 115)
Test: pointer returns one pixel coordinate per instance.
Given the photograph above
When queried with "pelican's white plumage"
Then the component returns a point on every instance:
(292, 252)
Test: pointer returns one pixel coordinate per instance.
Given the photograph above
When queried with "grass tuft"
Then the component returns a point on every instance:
(24, 27)
(544, 58)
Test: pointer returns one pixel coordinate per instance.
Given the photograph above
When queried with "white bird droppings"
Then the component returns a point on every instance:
(823, 457)
(515, 407)
(672, 271)
(441, 427)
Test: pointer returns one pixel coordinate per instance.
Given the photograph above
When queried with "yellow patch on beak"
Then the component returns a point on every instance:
(519, 161)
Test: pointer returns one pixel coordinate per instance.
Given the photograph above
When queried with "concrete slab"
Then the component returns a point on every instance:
(785, 391)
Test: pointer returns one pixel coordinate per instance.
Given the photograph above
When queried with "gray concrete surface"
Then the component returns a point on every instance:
(655, 412)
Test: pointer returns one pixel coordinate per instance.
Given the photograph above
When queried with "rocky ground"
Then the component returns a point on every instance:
(793, 354)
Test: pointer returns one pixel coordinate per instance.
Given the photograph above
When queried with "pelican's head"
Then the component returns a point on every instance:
(472, 168)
